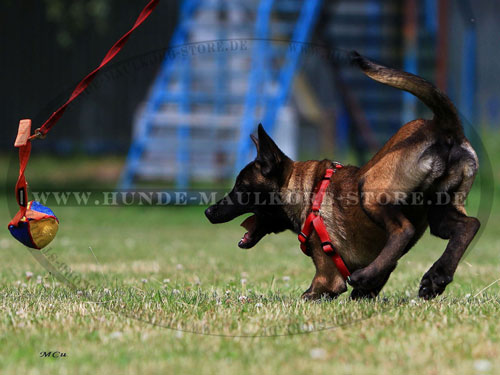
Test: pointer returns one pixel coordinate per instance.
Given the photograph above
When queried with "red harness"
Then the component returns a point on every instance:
(314, 221)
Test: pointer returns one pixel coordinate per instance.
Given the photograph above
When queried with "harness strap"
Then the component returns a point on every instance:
(314, 221)
(322, 189)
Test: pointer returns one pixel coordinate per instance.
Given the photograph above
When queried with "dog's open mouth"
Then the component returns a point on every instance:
(253, 234)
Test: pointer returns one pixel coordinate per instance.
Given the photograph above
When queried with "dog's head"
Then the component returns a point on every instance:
(256, 191)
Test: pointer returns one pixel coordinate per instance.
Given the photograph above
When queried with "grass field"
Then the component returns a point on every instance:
(145, 277)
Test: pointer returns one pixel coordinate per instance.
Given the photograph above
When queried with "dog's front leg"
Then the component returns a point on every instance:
(370, 293)
(328, 282)
(400, 232)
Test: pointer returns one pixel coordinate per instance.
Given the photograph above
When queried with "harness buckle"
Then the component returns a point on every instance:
(328, 248)
(38, 135)
(302, 237)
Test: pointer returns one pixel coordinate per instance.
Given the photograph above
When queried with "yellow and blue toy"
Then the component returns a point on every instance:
(37, 228)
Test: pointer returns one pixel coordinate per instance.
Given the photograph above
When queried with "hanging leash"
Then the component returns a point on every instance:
(82, 86)
(314, 221)
(35, 225)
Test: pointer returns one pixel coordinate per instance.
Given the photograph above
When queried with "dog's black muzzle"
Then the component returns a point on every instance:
(225, 210)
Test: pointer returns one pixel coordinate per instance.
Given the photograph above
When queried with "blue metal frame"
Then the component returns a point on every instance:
(431, 15)
(308, 14)
(152, 105)
(254, 81)
(260, 75)
(468, 75)
(182, 155)
(467, 94)
(410, 64)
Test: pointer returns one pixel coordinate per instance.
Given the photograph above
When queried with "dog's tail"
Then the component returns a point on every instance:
(444, 110)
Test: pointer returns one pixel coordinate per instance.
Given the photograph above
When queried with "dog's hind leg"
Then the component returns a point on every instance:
(450, 223)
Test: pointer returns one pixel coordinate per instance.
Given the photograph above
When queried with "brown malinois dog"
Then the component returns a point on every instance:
(374, 214)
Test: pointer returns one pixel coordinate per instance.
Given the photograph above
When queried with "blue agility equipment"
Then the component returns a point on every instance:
(230, 65)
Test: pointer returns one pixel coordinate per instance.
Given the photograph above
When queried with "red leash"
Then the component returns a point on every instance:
(314, 221)
(23, 140)
(117, 47)
(24, 145)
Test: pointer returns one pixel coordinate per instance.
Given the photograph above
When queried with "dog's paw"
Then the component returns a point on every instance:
(317, 296)
(363, 280)
(357, 294)
(433, 284)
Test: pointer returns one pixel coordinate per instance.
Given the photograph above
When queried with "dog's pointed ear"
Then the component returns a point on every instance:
(255, 141)
(269, 155)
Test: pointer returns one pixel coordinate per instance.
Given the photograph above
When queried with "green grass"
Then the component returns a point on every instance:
(125, 317)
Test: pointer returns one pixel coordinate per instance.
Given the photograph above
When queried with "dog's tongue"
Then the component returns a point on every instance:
(249, 224)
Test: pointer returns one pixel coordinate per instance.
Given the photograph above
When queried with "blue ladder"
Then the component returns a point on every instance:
(266, 48)
(203, 105)
(153, 104)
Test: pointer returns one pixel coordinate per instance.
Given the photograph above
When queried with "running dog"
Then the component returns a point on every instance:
(367, 211)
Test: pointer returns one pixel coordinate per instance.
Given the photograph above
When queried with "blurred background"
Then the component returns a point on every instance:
(178, 104)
